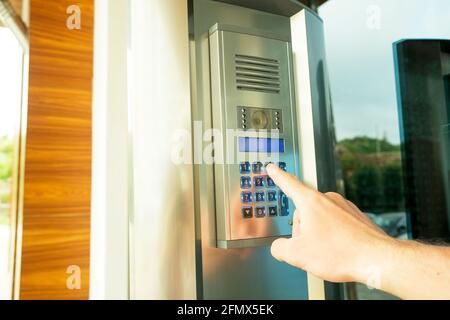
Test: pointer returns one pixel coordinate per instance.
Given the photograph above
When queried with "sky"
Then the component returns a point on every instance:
(359, 35)
(10, 81)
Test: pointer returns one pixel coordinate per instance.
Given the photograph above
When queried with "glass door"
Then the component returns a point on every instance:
(423, 71)
(392, 140)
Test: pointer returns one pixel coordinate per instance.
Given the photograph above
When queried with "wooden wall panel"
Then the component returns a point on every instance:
(57, 181)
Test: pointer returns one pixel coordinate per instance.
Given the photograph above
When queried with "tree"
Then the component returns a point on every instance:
(372, 173)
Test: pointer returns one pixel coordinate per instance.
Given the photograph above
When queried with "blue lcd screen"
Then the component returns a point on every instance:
(269, 145)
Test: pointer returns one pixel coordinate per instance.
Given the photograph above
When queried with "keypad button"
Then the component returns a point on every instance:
(246, 182)
(246, 197)
(282, 166)
(271, 196)
(273, 211)
(270, 182)
(258, 182)
(257, 167)
(259, 197)
(244, 167)
(284, 204)
(260, 212)
(247, 212)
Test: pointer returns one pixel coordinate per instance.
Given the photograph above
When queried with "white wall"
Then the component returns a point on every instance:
(109, 275)
(163, 237)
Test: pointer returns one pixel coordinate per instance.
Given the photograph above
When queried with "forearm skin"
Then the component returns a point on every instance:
(409, 269)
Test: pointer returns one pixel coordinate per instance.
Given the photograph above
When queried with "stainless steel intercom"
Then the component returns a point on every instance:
(253, 107)
(227, 65)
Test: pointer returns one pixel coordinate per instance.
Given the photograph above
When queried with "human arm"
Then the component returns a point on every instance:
(334, 240)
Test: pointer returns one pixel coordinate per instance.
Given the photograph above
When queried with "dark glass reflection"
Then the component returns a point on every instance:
(423, 69)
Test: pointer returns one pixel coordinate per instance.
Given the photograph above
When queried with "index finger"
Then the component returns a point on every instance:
(290, 185)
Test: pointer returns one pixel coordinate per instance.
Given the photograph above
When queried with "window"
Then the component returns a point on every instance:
(11, 63)
(359, 37)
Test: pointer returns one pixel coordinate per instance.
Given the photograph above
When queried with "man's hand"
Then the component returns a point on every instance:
(331, 237)
(334, 240)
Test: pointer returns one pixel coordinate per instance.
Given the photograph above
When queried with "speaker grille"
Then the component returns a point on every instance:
(257, 74)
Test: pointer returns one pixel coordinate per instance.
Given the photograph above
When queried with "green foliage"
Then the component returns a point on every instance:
(372, 173)
(4, 219)
(6, 155)
(366, 145)
(5, 198)
(6, 161)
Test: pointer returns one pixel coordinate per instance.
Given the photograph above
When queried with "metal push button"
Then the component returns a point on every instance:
(257, 167)
(258, 182)
(284, 204)
(260, 212)
(246, 197)
(259, 197)
(273, 211)
(246, 182)
(271, 196)
(282, 166)
(247, 212)
(244, 167)
(270, 182)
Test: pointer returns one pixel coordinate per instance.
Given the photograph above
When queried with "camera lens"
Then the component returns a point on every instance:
(259, 120)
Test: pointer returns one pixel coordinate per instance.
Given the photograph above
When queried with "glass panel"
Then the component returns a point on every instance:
(422, 75)
(11, 61)
(359, 36)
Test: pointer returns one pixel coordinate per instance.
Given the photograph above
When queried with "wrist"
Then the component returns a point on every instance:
(374, 267)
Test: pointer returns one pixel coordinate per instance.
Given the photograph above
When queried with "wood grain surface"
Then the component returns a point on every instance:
(57, 181)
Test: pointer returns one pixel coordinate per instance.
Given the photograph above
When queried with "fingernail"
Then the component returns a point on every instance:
(270, 167)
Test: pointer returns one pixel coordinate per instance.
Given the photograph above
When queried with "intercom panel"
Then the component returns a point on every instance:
(253, 107)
